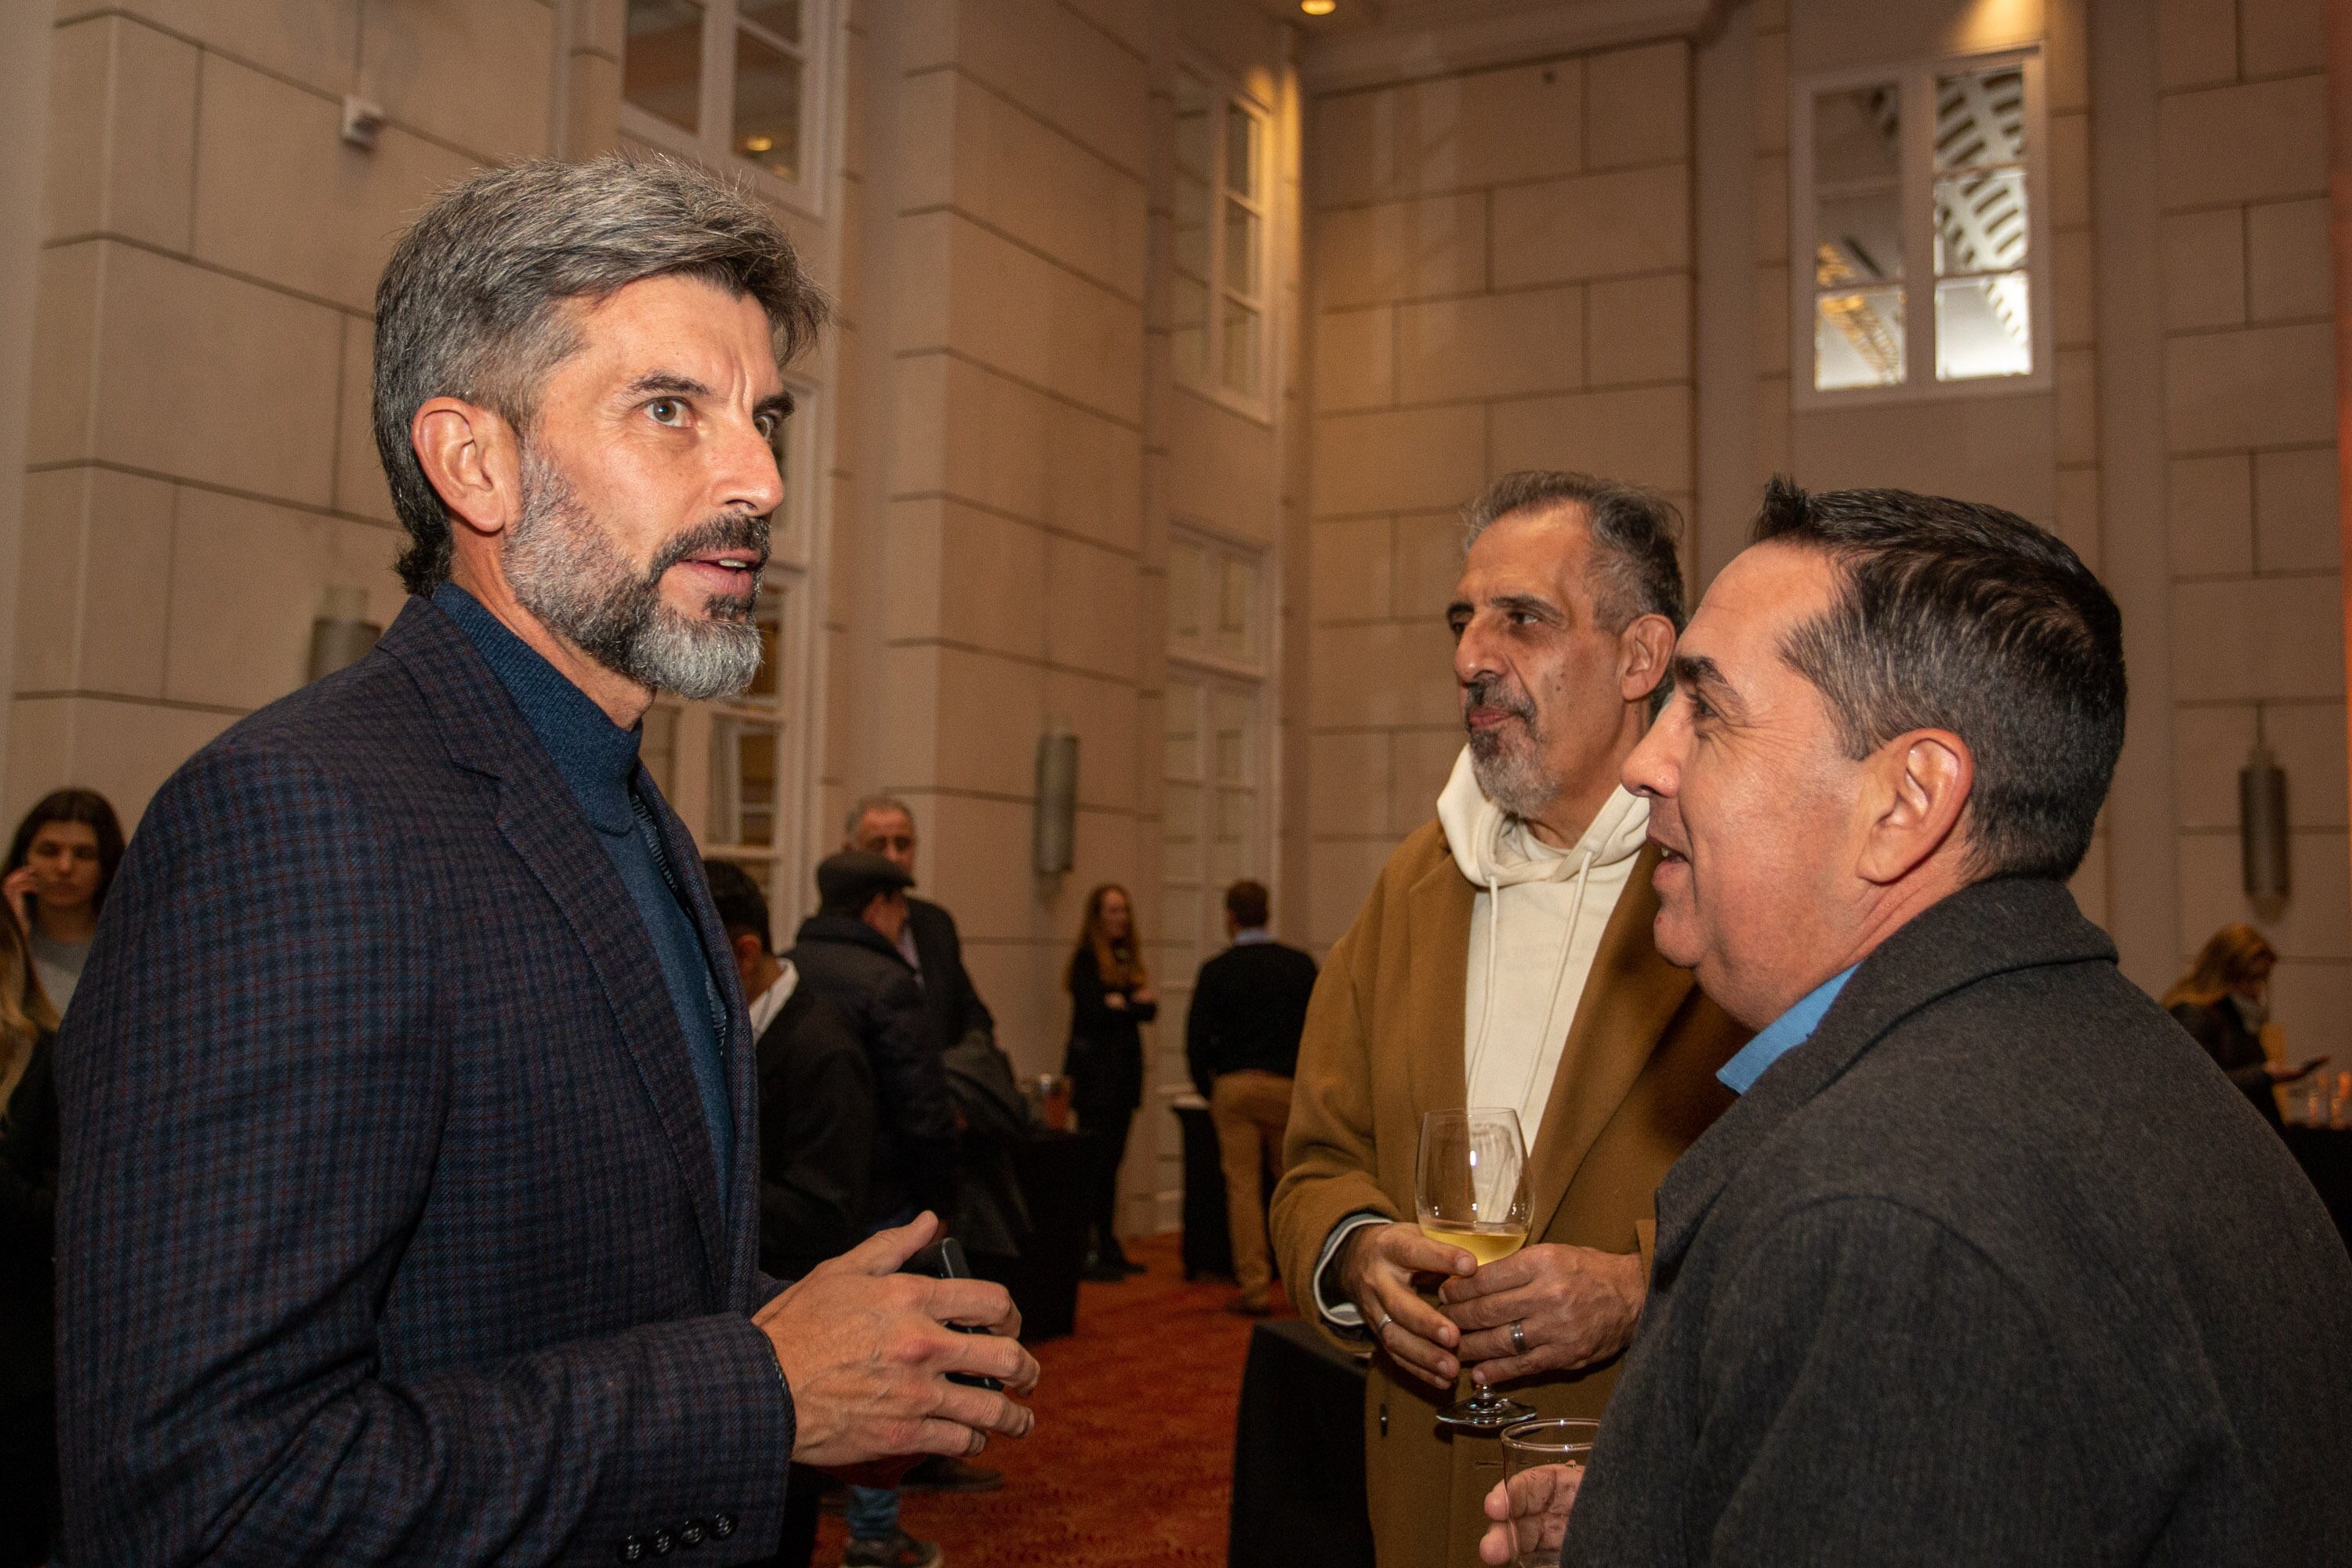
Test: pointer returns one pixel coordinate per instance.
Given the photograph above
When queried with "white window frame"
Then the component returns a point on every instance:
(714, 144)
(1231, 97)
(792, 709)
(1916, 81)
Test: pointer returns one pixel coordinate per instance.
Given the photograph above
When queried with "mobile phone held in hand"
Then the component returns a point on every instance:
(944, 1260)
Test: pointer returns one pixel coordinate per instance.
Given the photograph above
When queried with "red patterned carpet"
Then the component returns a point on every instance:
(1130, 1463)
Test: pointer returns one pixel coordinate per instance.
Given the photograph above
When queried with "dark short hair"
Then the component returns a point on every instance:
(1247, 901)
(742, 908)
(1957, 616)
(1634, 532)
(469, 306)
(849, 879)
(86, 807)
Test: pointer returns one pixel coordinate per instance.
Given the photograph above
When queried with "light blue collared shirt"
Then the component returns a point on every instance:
(1251, 936)
(1781, 1036)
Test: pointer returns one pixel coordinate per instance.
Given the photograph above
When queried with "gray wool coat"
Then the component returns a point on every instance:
(1996, 1269)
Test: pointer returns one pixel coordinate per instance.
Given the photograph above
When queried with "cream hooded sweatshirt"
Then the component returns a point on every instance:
(1535, 928)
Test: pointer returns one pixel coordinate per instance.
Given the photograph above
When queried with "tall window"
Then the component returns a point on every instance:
(1918, 202)
(728, 81)
(1214, 822)
(1218, 294)
(735, 768)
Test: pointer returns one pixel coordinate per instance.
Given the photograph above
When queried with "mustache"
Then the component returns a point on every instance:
(730, 530)
(1493, 694)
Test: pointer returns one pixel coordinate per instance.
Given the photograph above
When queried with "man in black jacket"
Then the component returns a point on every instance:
(1989, 1263)
(817, 1131)
(884, 825)
(848, 952)
(1241, 1040)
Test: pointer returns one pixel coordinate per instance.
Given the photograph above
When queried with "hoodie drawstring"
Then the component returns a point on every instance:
(1551, 996)
(1486, 1006)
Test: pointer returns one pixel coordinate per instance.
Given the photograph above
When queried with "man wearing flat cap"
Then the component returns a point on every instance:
(848, 953)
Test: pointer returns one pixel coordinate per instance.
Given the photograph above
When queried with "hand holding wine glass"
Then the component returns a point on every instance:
(1470, 1191)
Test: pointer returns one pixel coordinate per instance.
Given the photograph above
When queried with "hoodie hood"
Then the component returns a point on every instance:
(1494, 849)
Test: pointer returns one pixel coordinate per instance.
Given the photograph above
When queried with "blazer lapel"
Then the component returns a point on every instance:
(539, 818)
(1629, 998)
(1986, 929)
(1440, 907)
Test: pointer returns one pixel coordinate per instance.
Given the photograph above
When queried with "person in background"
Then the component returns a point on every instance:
(2224, 1002)
(1111, 997)
(1241, 1040)
(817, 1131)
(29, 1205)
(884, 825)
(848, 952)
(60, 865)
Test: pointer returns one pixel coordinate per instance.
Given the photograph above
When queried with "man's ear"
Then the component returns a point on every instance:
(1643, 648)
(473, 459)
(1915, 791)
(748, 949)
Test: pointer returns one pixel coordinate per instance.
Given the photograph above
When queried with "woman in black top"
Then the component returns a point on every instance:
(2223, 1001)
(1110, 995)
(29, 1208)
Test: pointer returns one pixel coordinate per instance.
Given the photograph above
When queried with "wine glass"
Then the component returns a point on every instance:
(1546, 1442)
(1470, 1191)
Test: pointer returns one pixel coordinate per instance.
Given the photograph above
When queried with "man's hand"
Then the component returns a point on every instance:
(1375, 1269)
(865, 1352)
(1530, 1511)
(1574, 1306)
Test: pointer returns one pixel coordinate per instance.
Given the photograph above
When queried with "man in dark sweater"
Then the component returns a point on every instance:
(1241, 1040)
(1989, 1263)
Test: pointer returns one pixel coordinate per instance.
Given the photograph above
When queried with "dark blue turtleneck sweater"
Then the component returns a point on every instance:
(598, 760)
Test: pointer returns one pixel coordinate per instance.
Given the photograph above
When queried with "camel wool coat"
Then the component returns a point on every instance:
(1384, 1043)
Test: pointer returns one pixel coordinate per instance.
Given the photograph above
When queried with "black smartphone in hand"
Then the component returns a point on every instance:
(944, 1260)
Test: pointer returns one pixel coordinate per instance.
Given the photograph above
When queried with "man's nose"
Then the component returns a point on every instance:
(748, 477)
(1653, 769)
(1473, 654)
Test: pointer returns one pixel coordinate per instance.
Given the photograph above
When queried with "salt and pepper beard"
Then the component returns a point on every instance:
(564, 568)
(1510, 769)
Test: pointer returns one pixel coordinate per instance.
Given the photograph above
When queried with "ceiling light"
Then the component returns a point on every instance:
(1318, 7)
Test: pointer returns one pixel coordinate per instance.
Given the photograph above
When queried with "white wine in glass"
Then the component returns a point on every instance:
(1470, 1191)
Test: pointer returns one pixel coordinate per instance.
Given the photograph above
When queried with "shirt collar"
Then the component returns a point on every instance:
(770, 1002)
(1782, 1034)
(1249, 936)
(597, 758)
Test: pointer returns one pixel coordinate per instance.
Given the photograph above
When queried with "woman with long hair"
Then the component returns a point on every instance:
(61, 864)
(29, 1206)
(2224, 1002)
(1111, 997)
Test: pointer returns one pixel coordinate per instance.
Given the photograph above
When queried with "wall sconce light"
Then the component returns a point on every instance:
(342, 634)
(1318, 7)
(1057, 798)
(2262, 831)
(363, 122)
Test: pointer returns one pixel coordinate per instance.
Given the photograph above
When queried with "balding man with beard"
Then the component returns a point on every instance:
(1504, 958)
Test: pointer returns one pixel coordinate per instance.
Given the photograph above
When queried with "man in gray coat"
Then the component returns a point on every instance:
(1989, 1263)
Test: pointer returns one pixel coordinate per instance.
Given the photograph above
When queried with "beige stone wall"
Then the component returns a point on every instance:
(1500, 270)
(2249, 400)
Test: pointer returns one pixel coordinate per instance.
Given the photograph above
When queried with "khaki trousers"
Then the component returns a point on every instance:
(1249, 1109)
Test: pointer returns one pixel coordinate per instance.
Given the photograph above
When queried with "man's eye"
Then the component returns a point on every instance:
(666, 410)
(769, 424)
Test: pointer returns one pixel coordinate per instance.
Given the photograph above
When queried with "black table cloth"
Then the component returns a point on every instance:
(2325, 1155)
(1298, 1456)
(1052, 1168)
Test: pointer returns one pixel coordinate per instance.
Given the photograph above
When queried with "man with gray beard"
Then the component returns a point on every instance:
(409, 1205)
(1503, 958)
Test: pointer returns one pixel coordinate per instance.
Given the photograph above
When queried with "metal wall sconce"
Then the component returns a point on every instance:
(342, 634)
(2262, 831)
(1055, 845)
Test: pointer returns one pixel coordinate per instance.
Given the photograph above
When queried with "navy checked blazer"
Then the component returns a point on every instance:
(388, 1226)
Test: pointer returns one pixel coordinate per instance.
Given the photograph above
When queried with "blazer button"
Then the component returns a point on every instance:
(1384, 1420)
(722, 1525)
(662, 1543)
(690, 1532)
(633, 1548)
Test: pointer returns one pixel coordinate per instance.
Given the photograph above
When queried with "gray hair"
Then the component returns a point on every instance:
(469, 305)
(1633, 533)
(872, 803)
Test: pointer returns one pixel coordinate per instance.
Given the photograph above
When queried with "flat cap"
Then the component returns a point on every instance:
(848, 879)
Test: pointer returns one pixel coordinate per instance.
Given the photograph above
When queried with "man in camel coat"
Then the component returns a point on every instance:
(1504, 958)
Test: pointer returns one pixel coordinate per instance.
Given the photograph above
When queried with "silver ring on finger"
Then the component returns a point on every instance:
(1518, 1336)
(1386, 1319)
